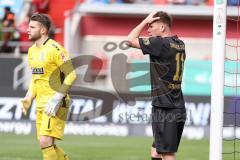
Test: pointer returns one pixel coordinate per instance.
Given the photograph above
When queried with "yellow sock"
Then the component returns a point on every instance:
(49, 153)
(61, 154)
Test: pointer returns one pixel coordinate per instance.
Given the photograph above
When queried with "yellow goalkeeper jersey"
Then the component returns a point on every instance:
(52, 71)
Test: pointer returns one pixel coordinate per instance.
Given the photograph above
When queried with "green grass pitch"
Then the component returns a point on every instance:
(19, 147)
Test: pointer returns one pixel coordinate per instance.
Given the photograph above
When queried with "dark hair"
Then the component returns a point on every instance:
(43, 19)
(7, 8)
(164, 17)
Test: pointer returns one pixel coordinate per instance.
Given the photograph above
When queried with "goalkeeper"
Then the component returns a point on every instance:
(52, 76)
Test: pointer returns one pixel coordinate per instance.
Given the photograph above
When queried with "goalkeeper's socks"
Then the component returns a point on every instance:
(49, 153)
(153, 158)
(61, 154)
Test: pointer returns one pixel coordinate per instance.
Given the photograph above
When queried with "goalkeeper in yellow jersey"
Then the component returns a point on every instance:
(52, 76)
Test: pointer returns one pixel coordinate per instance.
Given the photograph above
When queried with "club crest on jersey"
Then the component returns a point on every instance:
(146, 41)
(37, 71)
(42, 57)
(63, 57)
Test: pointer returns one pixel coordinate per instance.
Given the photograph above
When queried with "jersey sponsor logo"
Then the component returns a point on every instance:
(37, 71)
(146, 41)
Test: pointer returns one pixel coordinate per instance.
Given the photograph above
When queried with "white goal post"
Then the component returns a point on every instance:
(217, 93)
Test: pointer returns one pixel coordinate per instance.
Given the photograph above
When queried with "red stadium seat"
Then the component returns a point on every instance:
(159, 1)
(177, 1)
(210, 2)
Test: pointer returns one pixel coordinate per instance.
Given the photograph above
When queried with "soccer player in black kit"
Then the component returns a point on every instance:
(167, 56)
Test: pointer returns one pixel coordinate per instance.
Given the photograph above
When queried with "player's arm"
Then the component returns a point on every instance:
(151, 45)
(31, 93)
(133, 36)
(29, 97)
(61, 58)
(66, 67)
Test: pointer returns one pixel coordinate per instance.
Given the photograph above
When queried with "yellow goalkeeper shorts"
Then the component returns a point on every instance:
(51, 126)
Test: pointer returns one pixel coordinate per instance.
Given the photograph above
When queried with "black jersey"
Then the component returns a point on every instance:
(167, 56)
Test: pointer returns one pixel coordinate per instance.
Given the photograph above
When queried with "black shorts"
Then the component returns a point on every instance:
(167, 126)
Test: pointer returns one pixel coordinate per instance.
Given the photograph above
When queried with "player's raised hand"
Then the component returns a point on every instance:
(150, 18)
(26, 104)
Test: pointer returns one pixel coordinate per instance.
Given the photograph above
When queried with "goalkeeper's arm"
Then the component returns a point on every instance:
(27, 100)
(70, 75)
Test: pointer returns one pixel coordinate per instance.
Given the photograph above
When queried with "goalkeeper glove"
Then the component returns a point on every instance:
(26, 104)
(54, 104)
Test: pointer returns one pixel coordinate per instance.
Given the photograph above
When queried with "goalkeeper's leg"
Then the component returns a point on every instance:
(48, 149)
(61, 154)
(53, 127)
(154, 154)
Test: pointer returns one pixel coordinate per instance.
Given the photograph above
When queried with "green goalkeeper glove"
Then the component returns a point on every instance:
(54, 104)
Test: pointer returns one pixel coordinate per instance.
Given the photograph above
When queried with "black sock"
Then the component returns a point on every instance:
(153, 158)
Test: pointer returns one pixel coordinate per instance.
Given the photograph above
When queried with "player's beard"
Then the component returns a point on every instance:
(34, 37)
